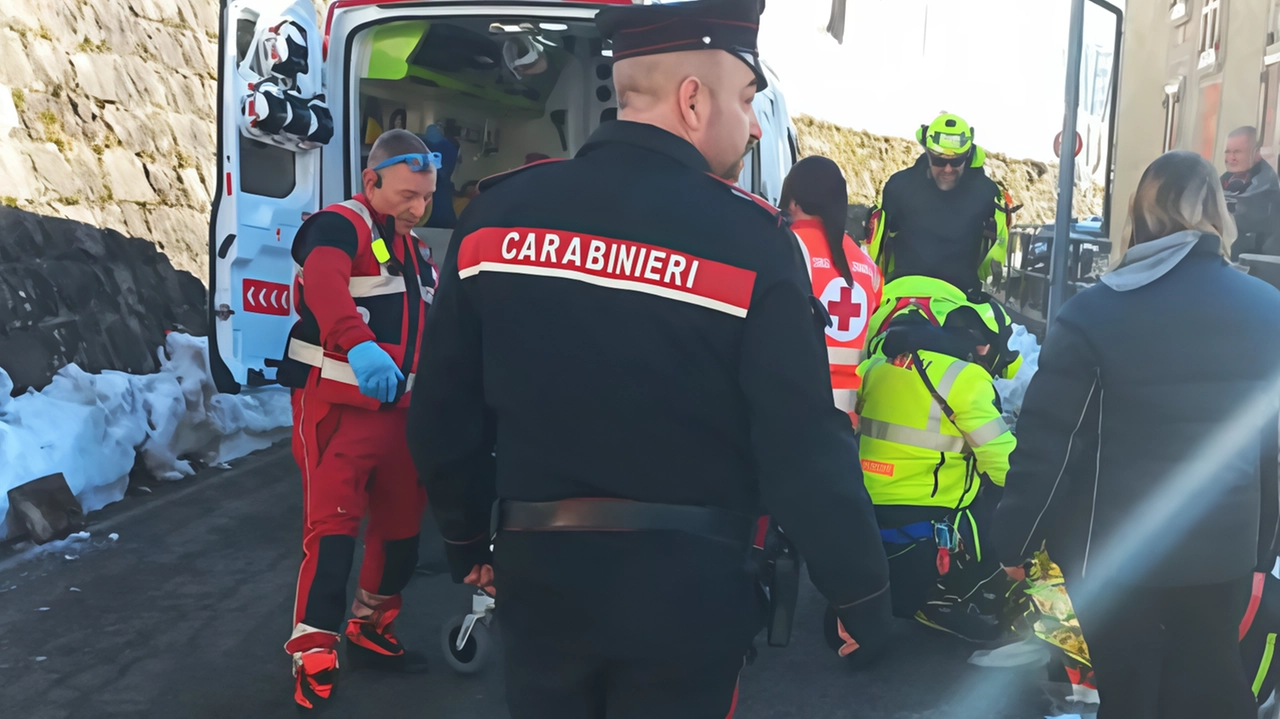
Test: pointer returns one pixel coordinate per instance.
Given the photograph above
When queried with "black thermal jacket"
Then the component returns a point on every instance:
(1147, 444)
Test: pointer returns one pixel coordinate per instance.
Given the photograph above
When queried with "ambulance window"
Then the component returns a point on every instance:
(266, 170)
(245, 28)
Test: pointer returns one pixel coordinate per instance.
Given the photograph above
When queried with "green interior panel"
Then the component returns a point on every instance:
(396, 44)
(393, 43)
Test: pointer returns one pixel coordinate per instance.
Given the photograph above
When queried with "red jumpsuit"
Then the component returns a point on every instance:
(352, 449)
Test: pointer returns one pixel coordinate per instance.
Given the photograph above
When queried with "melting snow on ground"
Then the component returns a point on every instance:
(91, 427)
(1012, 391)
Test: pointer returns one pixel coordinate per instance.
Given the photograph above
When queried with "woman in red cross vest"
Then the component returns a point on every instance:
(845, 280)
(362, 295)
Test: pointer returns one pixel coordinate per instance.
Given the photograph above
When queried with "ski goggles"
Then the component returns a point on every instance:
(954, 161)
(417, 162)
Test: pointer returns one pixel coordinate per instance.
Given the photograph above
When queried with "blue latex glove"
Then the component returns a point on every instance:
(375, 371)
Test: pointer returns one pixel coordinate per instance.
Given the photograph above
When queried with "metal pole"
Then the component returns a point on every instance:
(1066, 165)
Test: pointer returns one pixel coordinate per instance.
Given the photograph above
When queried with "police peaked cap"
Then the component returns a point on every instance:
(729, 25)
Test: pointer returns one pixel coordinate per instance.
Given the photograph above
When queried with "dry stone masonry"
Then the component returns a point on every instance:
(107, 116)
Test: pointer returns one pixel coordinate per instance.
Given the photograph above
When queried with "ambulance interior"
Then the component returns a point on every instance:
(498, 89)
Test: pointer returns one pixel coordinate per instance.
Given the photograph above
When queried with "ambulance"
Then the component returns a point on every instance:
(299, 105)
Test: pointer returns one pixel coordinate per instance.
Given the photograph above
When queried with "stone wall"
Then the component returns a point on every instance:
(72, 292)
(107, 116)
(869, 160)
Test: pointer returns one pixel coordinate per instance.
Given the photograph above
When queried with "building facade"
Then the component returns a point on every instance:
(1191, 72)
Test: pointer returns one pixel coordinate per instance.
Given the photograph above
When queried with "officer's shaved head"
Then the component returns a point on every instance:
(395, 142)
(703, 96)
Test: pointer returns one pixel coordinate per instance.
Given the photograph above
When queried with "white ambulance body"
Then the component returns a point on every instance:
(374, 65)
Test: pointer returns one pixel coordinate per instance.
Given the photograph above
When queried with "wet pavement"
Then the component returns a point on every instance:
(184, 615)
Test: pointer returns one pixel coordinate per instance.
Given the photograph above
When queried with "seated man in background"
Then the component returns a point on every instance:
(1252, 190)
(935, 450)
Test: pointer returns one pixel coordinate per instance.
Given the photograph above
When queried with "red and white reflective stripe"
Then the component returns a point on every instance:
(611, 263)
(334, 370)
(358, 207)
(376, 286)
(847, 356)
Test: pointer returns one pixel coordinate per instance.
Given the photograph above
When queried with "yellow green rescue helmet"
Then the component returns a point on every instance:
(945, 305)
(931, 297)
(987, 318)
(948, 136)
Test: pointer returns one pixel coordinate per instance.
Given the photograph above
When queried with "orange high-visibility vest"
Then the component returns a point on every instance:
(850, 308)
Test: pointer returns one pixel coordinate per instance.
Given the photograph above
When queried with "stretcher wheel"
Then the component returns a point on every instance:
(473, 655)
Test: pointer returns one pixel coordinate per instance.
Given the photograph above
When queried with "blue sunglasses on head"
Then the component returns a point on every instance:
(417, 161)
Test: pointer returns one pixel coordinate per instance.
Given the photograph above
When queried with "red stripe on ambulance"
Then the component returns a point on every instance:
(606, 262)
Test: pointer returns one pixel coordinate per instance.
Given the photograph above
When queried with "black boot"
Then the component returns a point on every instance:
(372, 644)
(406, 662)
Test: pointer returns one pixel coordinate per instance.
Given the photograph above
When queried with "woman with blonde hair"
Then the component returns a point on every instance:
(1146, 460)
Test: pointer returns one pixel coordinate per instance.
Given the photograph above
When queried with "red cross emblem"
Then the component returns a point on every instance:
(844, 310)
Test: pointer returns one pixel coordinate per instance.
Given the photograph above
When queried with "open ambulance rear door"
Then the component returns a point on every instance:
(272, 123)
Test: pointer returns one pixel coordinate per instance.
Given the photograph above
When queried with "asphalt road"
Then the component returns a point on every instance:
(186, 613)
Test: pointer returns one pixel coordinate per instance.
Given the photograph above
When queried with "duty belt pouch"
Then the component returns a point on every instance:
(781, 576)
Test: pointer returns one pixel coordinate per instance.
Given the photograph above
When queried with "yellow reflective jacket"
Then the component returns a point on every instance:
(914, 454)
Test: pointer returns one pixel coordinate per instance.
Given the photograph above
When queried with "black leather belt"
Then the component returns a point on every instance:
(620, 515)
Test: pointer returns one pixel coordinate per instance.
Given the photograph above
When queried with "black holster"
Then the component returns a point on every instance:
(780, 575)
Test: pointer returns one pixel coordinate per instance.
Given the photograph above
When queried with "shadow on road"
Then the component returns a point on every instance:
(186, 615)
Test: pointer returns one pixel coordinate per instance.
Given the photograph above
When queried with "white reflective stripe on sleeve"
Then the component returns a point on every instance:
(949, 378)
(376, 286)
(846, 399)
(338, 371)
(844, 356)
(910, 436)
(988, 432)
(331, 369)
(306, 353)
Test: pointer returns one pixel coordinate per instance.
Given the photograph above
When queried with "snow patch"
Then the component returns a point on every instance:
(1012, 391)
(91, 427)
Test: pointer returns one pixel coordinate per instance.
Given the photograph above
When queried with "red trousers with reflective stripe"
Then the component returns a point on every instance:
(355, 462)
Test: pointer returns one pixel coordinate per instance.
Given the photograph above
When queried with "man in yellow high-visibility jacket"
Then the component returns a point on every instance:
(935, 449)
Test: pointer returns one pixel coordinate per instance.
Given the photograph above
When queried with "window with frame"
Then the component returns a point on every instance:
(1172, 114)
(1268, 105)
(1210, 32)
(1273, 29)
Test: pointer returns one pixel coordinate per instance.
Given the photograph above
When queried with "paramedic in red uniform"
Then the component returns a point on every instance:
(627, 354)
(362, 297)
(845, 280)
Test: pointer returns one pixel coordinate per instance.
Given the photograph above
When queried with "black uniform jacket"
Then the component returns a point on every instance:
(625, 325)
